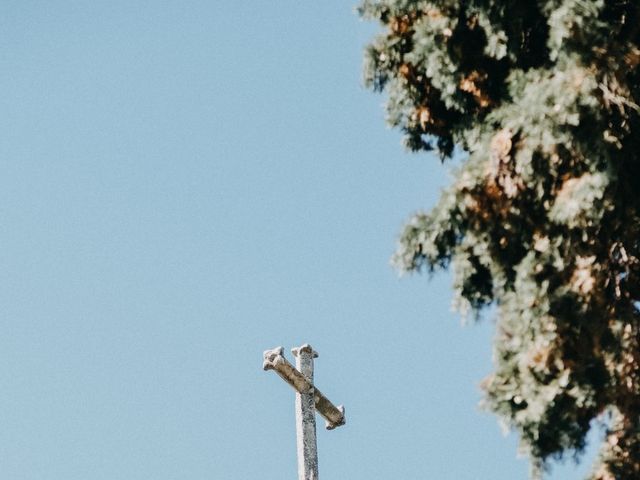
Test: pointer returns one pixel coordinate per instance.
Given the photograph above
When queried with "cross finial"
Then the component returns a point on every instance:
(308, 399)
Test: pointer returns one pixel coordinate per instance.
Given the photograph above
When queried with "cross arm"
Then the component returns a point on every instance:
(274, 360)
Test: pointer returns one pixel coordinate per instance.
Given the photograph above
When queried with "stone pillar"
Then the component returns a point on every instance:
(306, 417)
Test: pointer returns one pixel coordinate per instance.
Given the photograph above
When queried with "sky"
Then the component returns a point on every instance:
(184, 184)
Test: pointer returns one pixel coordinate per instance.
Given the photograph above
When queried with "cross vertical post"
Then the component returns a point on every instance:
(308, 400)
(306, 417)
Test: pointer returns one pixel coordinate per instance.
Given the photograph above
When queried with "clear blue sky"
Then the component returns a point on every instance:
(184, 184)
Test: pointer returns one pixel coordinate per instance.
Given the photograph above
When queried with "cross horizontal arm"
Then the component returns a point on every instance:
(275, 360)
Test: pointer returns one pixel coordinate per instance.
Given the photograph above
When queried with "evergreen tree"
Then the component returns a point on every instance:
(542, 219)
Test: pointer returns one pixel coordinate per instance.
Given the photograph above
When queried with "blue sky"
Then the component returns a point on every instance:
(184, 185)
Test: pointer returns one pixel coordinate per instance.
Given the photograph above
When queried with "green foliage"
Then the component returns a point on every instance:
(543, 217)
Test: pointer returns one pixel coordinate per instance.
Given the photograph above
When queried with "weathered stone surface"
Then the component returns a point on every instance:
(306, 417)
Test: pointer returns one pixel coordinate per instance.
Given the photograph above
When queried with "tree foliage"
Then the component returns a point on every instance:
(542, 219)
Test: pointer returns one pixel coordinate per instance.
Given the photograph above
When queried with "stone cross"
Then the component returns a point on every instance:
(308, 400)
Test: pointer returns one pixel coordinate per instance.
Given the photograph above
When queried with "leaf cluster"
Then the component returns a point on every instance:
(542, 219)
